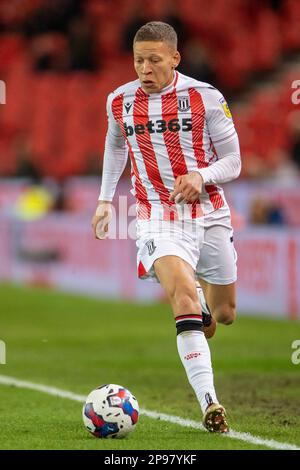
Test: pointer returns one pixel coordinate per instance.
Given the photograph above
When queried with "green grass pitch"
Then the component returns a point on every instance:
(76, 343)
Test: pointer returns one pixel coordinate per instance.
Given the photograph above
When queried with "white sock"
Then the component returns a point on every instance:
(195, 356)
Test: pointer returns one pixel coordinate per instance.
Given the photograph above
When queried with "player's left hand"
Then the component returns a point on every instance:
(187, 188)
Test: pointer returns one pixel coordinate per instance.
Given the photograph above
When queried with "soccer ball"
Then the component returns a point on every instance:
(110, 411)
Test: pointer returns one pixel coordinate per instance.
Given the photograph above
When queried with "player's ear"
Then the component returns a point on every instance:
(176, 59)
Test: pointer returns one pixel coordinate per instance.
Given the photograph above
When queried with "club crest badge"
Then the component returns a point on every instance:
(151, 247)
(183, 103)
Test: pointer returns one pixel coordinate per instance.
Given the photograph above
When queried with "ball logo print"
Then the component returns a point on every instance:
(110, 411)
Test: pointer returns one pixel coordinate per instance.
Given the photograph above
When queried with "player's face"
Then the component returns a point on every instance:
(154, 62)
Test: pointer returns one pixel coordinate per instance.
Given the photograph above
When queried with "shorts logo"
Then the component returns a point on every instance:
(151, 247)
(183, 103)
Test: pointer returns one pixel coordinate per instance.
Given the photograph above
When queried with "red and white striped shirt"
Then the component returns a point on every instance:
(168, 134)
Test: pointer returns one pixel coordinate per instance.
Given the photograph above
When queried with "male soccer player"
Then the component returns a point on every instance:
(182, 144)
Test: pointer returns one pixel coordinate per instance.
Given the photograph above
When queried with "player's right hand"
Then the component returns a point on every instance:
(187, 188)
(101, 219)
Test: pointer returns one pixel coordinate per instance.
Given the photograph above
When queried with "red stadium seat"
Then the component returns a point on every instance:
(64, 114)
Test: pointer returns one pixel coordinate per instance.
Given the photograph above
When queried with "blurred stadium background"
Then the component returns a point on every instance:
(58, 61)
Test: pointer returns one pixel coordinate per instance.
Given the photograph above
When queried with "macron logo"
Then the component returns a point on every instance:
(193, 355)
(127, 107)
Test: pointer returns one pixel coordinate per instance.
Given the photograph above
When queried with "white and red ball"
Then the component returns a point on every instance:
(110, 411)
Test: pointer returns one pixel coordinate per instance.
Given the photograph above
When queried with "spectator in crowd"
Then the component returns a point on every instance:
(196, 63)
(265, 212)
(254, 166)
(137, 20)
(147, 13)
(50, 51)
(25, 166)
(81, 44)
(173, 17)
(282, 167)
(52, 16)
(61, 37)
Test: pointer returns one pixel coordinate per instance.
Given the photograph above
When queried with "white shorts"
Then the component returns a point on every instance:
(205, 243)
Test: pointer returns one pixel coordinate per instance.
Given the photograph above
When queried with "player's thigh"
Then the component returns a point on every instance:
(177, 278)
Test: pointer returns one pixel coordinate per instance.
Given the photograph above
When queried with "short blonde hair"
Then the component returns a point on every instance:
(157, 31)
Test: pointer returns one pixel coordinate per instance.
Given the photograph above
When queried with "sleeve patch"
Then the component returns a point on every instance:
(226, 108)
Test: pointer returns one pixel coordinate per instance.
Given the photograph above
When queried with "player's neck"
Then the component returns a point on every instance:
(170, 82)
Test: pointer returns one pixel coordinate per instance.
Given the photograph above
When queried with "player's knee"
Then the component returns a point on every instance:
(185, 300)
(225, 314)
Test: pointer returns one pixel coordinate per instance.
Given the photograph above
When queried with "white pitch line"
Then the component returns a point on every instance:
(242, 436)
